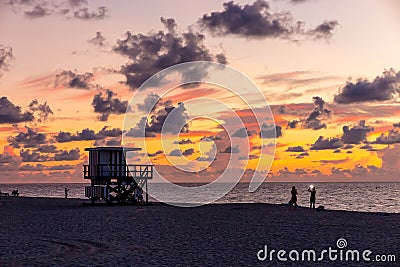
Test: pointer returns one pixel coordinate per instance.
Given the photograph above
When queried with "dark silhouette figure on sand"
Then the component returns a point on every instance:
(293, 200)
(66, 192)
(139, 196)
(312, 190)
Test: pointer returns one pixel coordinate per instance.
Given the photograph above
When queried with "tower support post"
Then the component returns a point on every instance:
(147, 194)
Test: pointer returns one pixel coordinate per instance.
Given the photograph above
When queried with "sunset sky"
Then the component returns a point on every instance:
(330, 71)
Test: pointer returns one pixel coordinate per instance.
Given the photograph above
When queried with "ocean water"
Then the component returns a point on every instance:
(368, 197)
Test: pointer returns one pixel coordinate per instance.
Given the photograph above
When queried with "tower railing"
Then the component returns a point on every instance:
(118, 171)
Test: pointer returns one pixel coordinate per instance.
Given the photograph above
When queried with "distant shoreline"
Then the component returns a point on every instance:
(86, 202)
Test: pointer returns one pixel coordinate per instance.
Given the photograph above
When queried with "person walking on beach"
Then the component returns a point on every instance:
(66, 192)
(293, 200)
(312, 190)
(139, 196)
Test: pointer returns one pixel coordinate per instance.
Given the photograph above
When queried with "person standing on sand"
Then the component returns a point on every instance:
(293, 200)
(140, 197)
(312, 190)
(66, 192)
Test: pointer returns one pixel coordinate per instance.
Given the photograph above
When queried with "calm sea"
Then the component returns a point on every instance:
(370, 197)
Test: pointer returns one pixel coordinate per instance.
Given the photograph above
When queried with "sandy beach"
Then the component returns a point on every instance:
(63, 232)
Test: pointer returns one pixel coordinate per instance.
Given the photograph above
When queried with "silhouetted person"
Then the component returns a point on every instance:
(139, 196)
(15, 193)
(311, 189)
(293, 200)
(66, 192)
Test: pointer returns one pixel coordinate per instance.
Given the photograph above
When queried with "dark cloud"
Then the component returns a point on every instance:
(33, 156)
(211, 138)
(242, 133)
(257, 21)
(258, 147)
(151, 53)
(29, 139)
(249, 157)
(77, 3)
(157, 121)
(150, 103)
(86, 14)
(367, 147)
(88, 135)
(106, 131)
(47, 149)
(108, 104)
(221, 58)
(324, 30)
(10, 113)
(295, 149)
(8, 161)
(302, 155)
(180, 117)
(326, 143)
(6, 55)
(100, 142)
(113, 142)
(348, 146)
(356, 134)
(68, 8)
(28, 167)
(231, 150)
(281, 110)
(38, 11)
(108, 142)
(71, 79)
(98, 40)
(159, 110)
(205, 159)
(396, 125)
(292, 124)
(382, 88)
(103, 137)
(250, 20)
(63, 137)
(392, 137)
(43, 110)
(175, 153)
(66, 155)
(159, 152)
(298, 1)
(314, 120)
(188, 152)
(184, 142)
(270, 131)
(138, 130)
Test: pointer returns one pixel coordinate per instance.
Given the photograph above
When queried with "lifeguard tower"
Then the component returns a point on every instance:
(112, 180)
